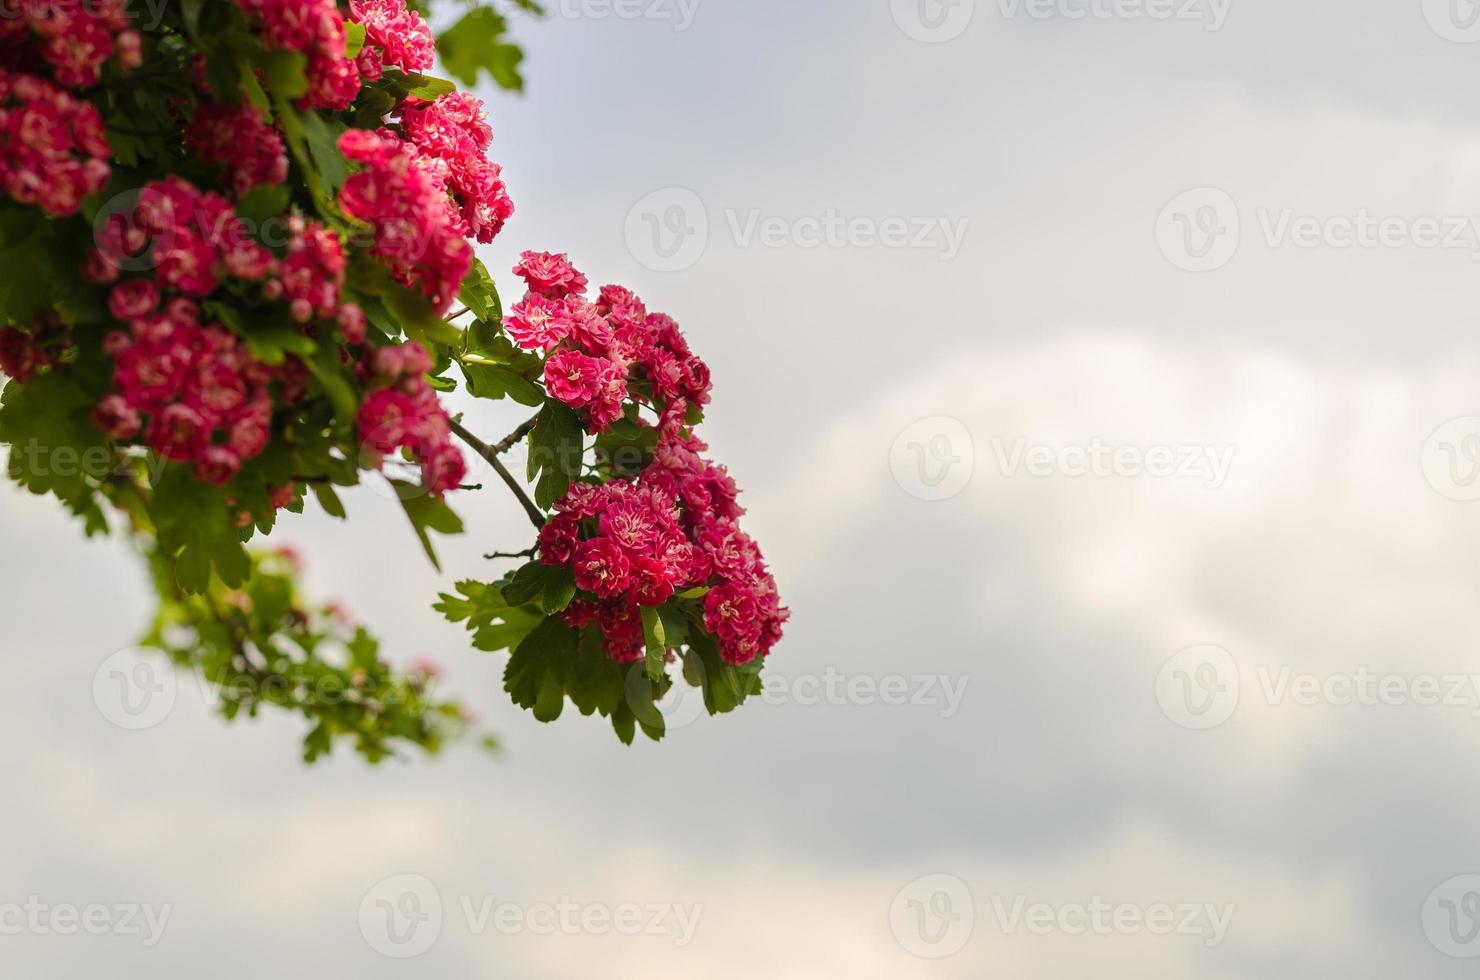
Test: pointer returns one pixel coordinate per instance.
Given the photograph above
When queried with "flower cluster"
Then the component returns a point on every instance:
(452, 138)
(311, 277)
(417, 233)
(74, 39)
(193, 391)
(316, 29)
(237, 139)
(394, 36)
(26, 350)
(52, 149)
(603, 353)
(633, 544)
(638, 543)
(194, 240)
(402, 412)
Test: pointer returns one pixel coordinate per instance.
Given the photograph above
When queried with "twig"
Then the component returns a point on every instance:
(514, 437)
(492, 458)
(526, 553)
(453, 316)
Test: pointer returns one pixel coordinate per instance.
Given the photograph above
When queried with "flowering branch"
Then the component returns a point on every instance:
(491, 456)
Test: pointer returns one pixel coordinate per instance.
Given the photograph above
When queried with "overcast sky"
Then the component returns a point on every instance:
(1101, 383)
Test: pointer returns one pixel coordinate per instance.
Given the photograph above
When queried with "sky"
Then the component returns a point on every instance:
(1097, 373)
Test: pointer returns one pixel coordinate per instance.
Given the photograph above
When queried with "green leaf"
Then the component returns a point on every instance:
(322, 140)
(657, 643)
(551, 587)
(419, 318)
(495, 624)
(427, 513)
(495, 382)
(354, 39)
(263, 202)
(480, 295)
(286, 73)
(328, 499)
(427, 87)
(475, 45)
(556, 449)
(535, 676)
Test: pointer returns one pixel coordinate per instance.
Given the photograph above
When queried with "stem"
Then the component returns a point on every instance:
(512, 438)
(491, 457)
(526, 553)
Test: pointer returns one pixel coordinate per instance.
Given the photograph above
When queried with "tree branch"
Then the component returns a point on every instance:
(513, 438)
(491, 457)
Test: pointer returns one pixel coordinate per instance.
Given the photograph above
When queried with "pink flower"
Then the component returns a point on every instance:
(178, 433)
(574, 378)
(601, 568)
(401, 37)
(133, 299)
(550, 275)
(652, 581)
(558, 539)
(537, 323)
(218, 465)
(117, 418)
(418, 233)
(55, 153)
(406, 415)
(237, 139)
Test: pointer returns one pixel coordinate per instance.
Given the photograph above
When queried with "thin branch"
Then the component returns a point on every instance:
(526, 553)
(453, 316)
(489, 456)
(513, 438)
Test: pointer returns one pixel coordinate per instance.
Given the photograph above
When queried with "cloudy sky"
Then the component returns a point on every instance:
(1099, 374)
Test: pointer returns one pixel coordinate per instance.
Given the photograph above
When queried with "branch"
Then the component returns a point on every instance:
(490, 456)
(513, 438)
(526, 553)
